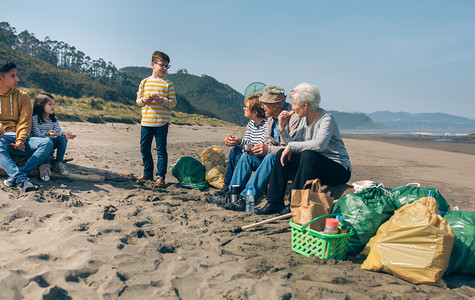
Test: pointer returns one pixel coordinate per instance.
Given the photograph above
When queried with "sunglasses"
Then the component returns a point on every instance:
(162, 65)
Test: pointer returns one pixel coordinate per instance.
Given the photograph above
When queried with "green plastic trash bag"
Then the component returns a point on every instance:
(403, 195)
(363, 212)
(462, 259)
(190, 173)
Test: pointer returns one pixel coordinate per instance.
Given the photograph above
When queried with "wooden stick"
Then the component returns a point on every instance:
(239, 229)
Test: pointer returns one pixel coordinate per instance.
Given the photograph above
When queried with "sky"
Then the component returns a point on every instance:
(364, 56)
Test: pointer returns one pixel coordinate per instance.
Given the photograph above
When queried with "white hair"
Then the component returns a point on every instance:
(306, 92)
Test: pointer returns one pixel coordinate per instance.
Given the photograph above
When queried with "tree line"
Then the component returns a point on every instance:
(62, 55)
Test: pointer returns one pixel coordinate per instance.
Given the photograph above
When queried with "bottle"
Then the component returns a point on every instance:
(331, 226)
(250, 201)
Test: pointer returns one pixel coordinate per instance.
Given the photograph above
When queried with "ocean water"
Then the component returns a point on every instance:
(435, 133)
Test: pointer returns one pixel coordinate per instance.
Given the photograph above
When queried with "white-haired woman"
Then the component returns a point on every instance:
(317, 151)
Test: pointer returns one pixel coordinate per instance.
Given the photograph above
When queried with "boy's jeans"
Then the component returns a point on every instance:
(234, 155)
(59, 143)
(146, 137)
(38, 147)
(260, 178)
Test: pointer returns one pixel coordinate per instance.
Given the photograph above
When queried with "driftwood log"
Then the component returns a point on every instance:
(86, 176)
(75, 172)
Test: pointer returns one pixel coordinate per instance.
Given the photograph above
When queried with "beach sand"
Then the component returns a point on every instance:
(124, 239)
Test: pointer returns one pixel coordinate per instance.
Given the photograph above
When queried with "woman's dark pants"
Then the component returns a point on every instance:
(305, 165)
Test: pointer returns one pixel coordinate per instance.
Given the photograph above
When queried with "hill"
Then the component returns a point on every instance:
(421, 121)
(353, 121)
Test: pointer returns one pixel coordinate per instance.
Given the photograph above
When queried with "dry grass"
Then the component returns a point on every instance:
(97, 110)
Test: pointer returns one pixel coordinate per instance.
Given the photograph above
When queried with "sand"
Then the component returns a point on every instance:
(124, 239)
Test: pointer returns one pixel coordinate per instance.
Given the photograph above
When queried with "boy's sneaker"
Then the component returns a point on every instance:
(27, 186)
(145, 177)
(9, 182)
(160, 182)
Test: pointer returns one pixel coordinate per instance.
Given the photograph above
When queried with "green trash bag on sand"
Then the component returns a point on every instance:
(363, 212)
(403, 195)
(190, 172)
(462, 259)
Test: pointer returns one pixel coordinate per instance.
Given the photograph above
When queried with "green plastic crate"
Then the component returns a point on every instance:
(308, 242)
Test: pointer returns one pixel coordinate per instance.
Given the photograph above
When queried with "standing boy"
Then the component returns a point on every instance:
(15, 125)
(156, 96)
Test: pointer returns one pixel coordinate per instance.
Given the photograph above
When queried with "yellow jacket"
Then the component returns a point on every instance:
(16, 113)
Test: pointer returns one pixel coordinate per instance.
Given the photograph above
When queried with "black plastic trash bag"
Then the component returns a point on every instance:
(462, 259)
(403, 195)
(363, 212)
(190, 173)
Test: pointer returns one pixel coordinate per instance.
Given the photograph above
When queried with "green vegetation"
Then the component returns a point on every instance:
(35, 73)
(91, 109)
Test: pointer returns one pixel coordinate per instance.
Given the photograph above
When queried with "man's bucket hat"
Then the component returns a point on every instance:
(272, 94)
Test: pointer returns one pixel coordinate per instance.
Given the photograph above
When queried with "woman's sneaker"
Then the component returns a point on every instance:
(61, 169)
(45, 172)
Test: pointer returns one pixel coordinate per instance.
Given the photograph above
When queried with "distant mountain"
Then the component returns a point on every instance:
(421, 121)
(352, 121)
